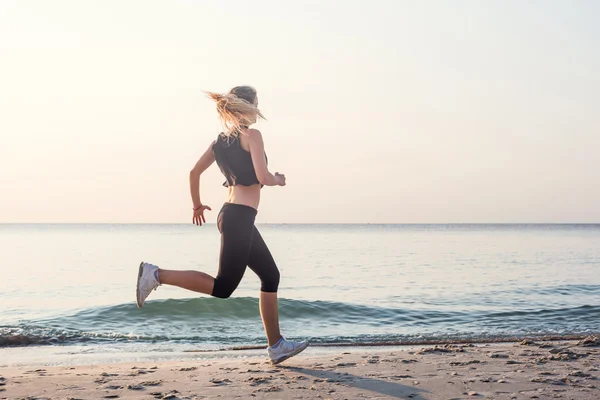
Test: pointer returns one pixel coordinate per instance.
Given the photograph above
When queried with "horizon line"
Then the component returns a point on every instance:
(306, 223)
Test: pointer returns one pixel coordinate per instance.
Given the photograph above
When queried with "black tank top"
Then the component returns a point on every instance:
(234, 162)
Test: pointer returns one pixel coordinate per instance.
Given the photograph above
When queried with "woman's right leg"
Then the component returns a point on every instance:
(196, 281)
(236, 224)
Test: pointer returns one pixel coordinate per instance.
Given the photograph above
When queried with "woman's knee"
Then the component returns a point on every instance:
(223, 289)
(270, 283)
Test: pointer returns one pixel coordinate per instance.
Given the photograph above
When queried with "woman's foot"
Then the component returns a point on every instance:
(284, 349)
(147, 282)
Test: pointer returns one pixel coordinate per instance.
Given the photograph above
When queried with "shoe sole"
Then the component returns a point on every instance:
(292, 354)
(137, 286)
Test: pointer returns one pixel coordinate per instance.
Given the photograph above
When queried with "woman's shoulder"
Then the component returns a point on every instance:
(254, 135)
(252, 132)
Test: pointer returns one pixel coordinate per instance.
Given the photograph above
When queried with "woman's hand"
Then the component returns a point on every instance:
(280, 178)
(198, 218)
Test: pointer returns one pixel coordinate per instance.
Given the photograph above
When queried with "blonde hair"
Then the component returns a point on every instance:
(236, 109)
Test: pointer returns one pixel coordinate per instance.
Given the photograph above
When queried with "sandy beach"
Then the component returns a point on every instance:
(525, 370)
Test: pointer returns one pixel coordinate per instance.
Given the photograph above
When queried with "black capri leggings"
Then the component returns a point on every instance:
(241, 246)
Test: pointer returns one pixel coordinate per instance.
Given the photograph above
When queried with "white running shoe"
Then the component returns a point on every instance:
(285, 349)
(146, 282)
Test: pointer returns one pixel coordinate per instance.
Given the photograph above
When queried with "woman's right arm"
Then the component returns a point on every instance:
(201, 165)
(259, 161)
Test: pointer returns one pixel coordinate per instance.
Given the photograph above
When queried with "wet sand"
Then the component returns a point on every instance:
(525, 370)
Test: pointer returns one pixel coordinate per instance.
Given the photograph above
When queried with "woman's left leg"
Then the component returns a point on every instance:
(262, 263)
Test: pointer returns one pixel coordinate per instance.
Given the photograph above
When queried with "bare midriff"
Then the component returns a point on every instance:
(245, 195)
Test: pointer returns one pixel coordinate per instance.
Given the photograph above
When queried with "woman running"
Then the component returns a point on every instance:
(240, 155)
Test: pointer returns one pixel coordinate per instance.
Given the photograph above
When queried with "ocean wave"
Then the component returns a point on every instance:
(237, 321)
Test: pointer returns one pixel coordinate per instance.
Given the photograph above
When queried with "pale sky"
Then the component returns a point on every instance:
(380, 111)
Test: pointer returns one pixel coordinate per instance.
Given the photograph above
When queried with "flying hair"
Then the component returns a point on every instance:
(236, 109)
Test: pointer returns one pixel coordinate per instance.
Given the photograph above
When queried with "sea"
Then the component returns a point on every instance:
(67, 291)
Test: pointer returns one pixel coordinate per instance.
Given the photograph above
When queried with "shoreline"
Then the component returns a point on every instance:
(107, 353)
(6, 343)
(513, 339)
(525, 370)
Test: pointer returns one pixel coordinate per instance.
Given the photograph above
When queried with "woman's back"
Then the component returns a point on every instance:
(233, 157)
(234, 161)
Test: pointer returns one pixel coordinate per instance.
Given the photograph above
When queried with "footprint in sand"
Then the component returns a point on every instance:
(135, 387)
(441, 349)
(399, 377)
(463, 363)
(348, 364)
(258, 380)
(590, 341)
(550, 381)
(40, 372)
(139, 372)
(527, 342)
(219, 382)
(580, 374)
(269, 389)
(172, 395)
(169, 396)
(151, 383)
